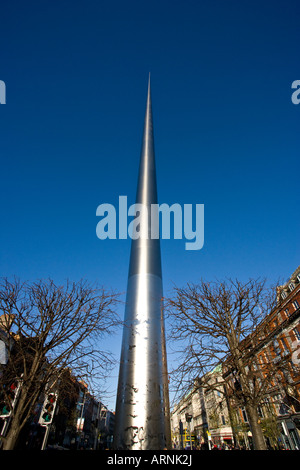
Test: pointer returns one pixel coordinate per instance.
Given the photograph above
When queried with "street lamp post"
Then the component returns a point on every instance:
(189, 418)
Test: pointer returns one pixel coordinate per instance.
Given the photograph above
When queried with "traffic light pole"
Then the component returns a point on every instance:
(190, 434)
(3, 430)
(46, 437)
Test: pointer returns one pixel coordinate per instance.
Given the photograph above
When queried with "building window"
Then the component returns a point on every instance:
(295, 304)
(260, 412)
(284, 345)
(263, 359)
(291, 286)
(298, 277)
(296, 333)
(287, 312)
(283, 409)
(276, 347)
(283, 294)
(245, 417)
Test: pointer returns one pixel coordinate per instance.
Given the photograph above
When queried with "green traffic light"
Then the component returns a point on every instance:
(46, 417)
(5, 410)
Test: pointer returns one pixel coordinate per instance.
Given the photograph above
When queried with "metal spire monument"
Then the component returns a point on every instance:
(142, 408)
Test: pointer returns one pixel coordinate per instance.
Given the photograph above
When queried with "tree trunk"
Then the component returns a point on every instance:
(257, 434)
(16, 423)
(10, 440)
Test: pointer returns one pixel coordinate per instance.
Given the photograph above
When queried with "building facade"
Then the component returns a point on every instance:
(276, 348)
(217, 420)
(201, 419)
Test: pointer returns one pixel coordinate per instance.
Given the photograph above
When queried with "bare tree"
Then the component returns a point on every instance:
(216, 323)
(47, 329)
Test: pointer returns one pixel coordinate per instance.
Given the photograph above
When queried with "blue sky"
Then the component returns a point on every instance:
(226, 134)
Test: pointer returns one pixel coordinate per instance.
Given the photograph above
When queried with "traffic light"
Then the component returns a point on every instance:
(48, 409)
(8, 398)
(4, 407)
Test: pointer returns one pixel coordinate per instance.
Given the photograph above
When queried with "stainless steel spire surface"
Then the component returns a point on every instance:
(142, 408)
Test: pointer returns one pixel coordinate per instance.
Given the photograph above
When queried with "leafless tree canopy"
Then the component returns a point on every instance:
(65, 324)
(216, 324)
(210, 320)
(49, 328)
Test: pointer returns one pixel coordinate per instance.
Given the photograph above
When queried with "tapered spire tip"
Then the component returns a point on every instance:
(149, 85)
